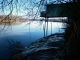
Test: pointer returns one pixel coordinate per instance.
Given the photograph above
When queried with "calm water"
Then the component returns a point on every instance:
(25, 33)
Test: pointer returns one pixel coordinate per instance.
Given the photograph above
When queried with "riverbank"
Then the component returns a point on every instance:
(46, 48)
(11, 19)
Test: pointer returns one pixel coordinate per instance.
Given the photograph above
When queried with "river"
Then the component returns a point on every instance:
(25, 33)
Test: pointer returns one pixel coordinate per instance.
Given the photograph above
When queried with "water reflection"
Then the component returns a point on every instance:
(27, 32)
(38, 28)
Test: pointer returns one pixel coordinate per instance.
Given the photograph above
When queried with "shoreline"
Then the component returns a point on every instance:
(43, 48)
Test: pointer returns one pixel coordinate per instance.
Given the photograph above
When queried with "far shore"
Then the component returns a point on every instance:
(13, 20)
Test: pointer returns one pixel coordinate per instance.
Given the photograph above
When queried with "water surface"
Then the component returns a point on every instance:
(26, 33)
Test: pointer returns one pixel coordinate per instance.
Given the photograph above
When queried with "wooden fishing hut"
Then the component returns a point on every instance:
(59, 10)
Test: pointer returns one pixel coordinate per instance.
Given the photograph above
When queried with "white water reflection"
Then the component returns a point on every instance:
(35, 26)
(30, 31)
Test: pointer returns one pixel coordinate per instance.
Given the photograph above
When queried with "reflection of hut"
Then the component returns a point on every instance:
(59, 10)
